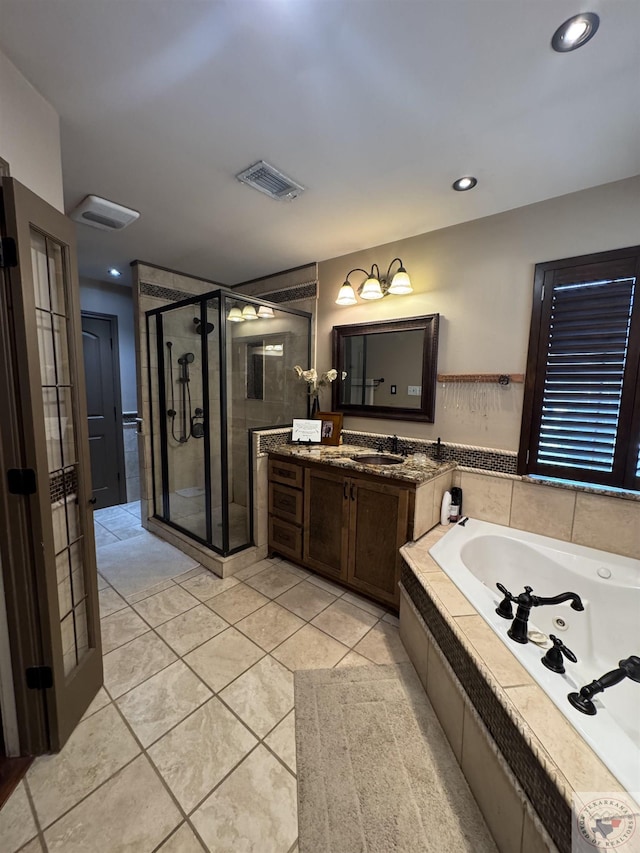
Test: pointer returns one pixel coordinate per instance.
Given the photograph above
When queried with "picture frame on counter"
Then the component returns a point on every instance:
(331, 427)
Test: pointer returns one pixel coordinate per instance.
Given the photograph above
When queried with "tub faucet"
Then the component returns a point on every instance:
(525, 601)
(627, 668)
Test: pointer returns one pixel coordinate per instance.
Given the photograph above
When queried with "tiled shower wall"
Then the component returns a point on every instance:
(131, 459)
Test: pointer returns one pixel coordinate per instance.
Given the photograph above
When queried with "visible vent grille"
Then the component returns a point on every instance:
(586, 360)
(101, 220)
(104, 214)
(268, 180)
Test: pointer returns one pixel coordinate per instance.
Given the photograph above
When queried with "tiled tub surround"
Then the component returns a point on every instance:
(522, 758)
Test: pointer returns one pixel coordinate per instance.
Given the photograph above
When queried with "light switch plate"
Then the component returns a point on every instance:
(414, 390)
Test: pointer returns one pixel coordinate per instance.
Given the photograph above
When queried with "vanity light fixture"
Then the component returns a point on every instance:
(265, 312)
(235, 315)
(575, 32)
(376, 286)
(464, 184)
(249, 312)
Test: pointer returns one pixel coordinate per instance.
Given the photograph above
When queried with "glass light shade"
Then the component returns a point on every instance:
(265, 312)
(249, 312)
(235, 315)
(346, 296)
(401, 283)
(371, 289)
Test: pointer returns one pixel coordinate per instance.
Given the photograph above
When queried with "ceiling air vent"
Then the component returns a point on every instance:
(101, 213)
(268, 180)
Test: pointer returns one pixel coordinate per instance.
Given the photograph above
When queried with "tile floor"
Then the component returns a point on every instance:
(190, 746)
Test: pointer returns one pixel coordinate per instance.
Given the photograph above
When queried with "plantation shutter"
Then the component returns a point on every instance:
(584, 372)
(581, 415)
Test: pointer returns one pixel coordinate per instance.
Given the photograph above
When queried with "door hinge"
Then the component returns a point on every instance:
(22, 481)
(39, 677)
(8, 253)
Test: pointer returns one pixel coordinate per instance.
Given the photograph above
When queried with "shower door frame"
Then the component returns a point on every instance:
(223, 296)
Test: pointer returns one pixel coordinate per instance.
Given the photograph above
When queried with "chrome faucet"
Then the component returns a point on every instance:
(525, 601)
(627, 668)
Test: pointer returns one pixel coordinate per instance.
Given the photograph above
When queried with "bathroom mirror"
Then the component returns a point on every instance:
(387, 369)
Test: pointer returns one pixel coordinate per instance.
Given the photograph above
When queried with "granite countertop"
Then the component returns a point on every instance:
(407, 471)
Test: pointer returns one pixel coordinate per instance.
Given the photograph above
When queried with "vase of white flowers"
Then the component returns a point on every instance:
(315, 383)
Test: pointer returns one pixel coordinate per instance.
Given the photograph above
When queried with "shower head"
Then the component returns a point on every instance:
(187, 358)
(198, 324)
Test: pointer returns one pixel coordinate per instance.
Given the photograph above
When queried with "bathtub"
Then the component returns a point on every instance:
(478, 555)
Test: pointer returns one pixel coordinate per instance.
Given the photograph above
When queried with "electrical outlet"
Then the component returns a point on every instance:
(414, 390)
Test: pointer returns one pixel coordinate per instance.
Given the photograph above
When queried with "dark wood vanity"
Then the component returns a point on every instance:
(335, 517)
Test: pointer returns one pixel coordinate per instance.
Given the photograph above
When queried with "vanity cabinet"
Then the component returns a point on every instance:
(348, 528)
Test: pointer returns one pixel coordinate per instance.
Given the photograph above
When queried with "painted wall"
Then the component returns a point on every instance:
(105, 297)
(479, 277)
(29, 135)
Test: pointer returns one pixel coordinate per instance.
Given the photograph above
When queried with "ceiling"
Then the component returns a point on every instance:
(375, 106)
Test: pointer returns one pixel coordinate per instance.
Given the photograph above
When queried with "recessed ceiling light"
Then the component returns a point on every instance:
(114, 272)
(575, 32)
(466, 183)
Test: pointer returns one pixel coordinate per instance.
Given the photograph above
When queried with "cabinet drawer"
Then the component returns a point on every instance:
(285, 502)
(285, 472)
(285, 538)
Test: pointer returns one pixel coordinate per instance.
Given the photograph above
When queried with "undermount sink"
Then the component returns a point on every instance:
(378, 459)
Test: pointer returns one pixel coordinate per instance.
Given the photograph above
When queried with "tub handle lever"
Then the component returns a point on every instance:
(627, 668)
(553, 658)
(505, 609)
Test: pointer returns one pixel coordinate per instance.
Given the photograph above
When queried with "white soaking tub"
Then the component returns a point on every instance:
(478, 555)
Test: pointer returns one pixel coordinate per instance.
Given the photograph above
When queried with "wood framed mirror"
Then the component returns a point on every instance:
(387, 369)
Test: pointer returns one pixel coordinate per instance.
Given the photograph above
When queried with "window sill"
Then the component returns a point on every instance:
(578, 486)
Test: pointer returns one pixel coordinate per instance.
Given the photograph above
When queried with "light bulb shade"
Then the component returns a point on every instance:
(401, 283)
(371, 289)
(235, 315)
(249, 312)
(265, 312)
(346, 296)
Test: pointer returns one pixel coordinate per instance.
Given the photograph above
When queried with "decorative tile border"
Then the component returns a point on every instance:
(308, 290)
(168, 293)
(541, 789)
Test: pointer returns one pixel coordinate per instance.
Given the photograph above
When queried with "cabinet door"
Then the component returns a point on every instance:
(326, 522)
(377, 529)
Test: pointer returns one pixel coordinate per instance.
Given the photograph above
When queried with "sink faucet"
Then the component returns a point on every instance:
(627, 668)
(395, 445)
(525, 601)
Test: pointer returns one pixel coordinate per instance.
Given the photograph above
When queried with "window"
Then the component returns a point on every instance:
(581, 415)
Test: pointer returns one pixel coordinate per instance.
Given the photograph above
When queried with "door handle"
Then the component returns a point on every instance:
(93, 501)
(344, 490)
(352, 494)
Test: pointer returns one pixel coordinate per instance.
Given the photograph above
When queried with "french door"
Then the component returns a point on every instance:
(48, 555)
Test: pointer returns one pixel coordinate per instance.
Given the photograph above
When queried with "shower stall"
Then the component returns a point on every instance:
(220, 366)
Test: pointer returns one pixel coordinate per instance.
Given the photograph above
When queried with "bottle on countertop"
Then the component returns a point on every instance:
(455, 511)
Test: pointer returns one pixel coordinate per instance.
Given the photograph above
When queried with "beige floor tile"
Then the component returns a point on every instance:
(273, 581)
(165, 605)
(391, 619)
(207, 585)
(353, 659)
(103, 536)
(295, 570)
(17, 825)
(32, 847)
(102, 583)
(200, 751)
(224, 658)
(132, 663)
(262, 695)
(157, 704)
(152, 590)
(306, 600)
(345, 622)
(250, 571)
(191, 629)
(282, 740)
(192, 573)
(236, 603)
(130, 813)
(182, 841)
(310, 648)
(270, 626)
(100, 700)
(98, 747)
(326, 585)
(120, 627)
(364, 603)
(110, 602)
(254, 810)
(382, 645)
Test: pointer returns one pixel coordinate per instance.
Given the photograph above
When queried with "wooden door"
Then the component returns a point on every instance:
(326, 522)
(50, 567)
(104, 410)
(377, 529)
